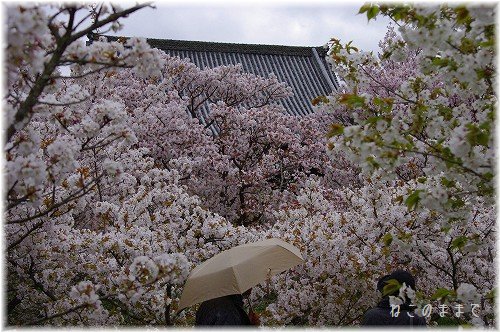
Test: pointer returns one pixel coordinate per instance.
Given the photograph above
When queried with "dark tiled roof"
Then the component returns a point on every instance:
(201, 46)
(303, 68)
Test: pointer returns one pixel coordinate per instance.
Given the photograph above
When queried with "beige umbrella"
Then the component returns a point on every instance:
(238, 269)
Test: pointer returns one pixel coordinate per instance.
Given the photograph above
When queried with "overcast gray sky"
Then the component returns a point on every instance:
(295, 23)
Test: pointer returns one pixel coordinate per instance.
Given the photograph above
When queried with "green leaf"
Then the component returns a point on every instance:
(373, 119)
(413, 199)
(491, 294)
(364, 8)
(467, 46)
(441, 293)
(440, 62)
(404, 236)
(335, 130)
(447, 321)
(457, 202)
(399, 13)
(348, 47)
(392, 286)
(477, 136)
(378, 101)
(372, 12)
(422, 179)
(445, 229)
(387, 239)
(462, 15)
(352, 100)
(488, 43)
(459, 242)
(386, 55)
(371, 160)
(488, 176)
(447, 183)
(445, 111)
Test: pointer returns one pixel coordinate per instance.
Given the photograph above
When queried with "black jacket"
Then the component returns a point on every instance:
(381, 315)
(226, 310)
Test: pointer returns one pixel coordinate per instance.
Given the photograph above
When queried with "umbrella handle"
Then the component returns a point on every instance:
(178, 312)
(249, 303)
(254, 318)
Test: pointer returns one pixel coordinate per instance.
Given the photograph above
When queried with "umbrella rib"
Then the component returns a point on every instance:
(236, 276)
(292, 252)
(299, 254)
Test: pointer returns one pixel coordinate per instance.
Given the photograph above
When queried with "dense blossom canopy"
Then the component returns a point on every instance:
(115, 189)
(422, 124)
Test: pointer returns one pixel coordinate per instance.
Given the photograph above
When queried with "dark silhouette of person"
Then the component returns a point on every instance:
(225, 310)
(384, 315)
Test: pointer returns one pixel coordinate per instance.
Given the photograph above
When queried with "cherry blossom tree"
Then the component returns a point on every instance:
(421, 113)
(263, 158)
(97, 234)
(352, 236)
(247, 156)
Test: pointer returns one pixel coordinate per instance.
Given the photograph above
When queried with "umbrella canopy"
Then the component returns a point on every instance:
(238, 269)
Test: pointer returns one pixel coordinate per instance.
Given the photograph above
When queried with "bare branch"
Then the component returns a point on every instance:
(81, 192)
(81, 306)
(111, 18)
(64, 104)
(25, 108)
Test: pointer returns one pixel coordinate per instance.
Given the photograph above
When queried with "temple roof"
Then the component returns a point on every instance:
(303, 68)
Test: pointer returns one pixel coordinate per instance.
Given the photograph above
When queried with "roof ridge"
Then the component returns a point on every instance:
(229, 43)
(178, 44)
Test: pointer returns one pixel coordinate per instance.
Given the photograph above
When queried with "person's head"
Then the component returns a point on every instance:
(401, 276)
